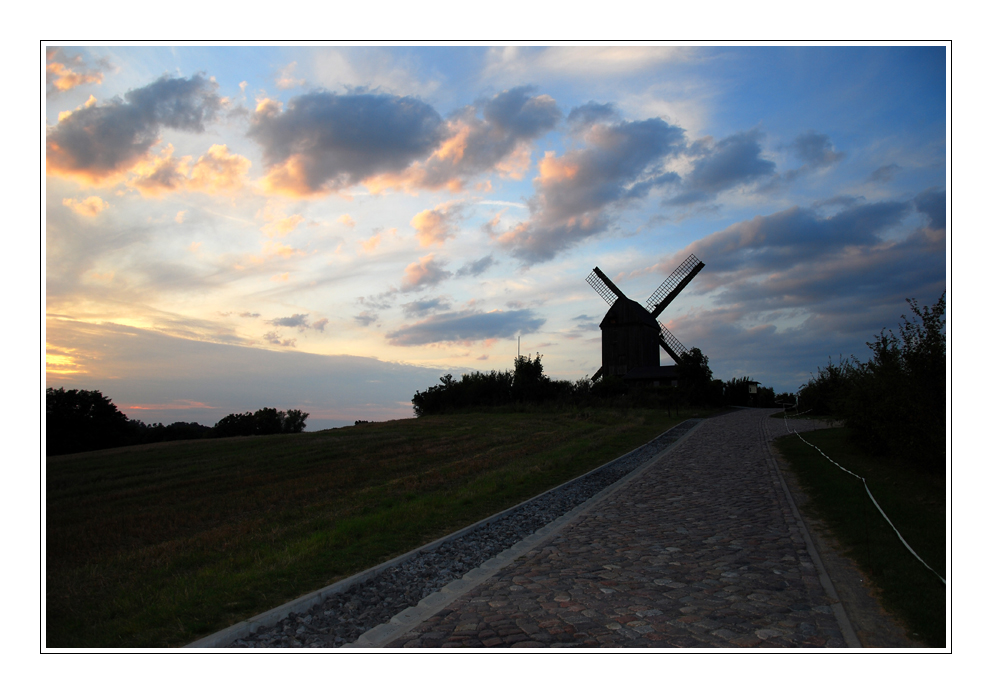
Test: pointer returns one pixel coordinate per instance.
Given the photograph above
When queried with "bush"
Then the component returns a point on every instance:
(525, 384)
(894, 404)
(896, 401)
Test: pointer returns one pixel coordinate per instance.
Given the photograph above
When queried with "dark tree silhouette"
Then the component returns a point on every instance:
(263, 422)
(695, 378)
(83, 420)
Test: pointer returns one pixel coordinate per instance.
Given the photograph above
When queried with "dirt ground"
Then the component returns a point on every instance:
(875, 627)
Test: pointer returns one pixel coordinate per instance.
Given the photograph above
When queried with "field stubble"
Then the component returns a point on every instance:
(158, 545)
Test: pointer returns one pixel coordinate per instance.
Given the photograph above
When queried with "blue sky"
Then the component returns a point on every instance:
(333, 228)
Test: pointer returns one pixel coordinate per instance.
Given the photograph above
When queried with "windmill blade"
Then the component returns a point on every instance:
(675, 283)
(598, 373)
(675, 349)
(603, 286)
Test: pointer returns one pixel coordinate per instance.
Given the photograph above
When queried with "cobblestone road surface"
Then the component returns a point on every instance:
(702, 550)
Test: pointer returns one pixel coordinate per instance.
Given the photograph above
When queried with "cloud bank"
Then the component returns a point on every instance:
(101, 142)
(575, 192)
(324, 142)
(466, 326)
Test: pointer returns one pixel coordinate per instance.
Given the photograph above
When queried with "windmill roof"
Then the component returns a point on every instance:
(627, 312)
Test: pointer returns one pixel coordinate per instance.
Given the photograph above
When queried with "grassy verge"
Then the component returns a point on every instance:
(914, 501)
(159, 545)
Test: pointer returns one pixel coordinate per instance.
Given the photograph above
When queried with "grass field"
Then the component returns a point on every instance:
(914, 501)
(158, 545)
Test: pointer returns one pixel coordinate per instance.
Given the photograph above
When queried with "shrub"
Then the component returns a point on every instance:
(896, 401)
(894, 404)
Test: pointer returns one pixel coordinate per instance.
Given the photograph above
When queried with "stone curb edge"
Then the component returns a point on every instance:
(850, 637)
(224, 637)
(399, 625)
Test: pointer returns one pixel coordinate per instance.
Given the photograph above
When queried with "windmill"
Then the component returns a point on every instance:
(631, 333)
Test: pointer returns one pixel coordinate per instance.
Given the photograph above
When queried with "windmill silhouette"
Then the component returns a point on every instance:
(631, 333)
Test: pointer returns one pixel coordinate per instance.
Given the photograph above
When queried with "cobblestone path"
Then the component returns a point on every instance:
(702, 550)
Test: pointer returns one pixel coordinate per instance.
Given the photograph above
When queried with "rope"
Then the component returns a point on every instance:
(870, 496)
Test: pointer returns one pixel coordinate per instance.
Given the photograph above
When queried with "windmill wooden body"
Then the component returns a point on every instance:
(632, 333)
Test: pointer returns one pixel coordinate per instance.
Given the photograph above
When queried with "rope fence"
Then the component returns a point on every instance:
(865, 483)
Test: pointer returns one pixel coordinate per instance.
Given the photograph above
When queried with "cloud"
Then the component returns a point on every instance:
(580, 61)
(347, 220)
(815, 150)
(64, 72)
(425, 306)
(219, 171)
(90, 207)
(248, 314)
(366, 318)
(376, 68)
(797, 235)
(476, 268)
(437, 225)
(466, 326)
(216, 172)
(884, 174)
(89, 103)
(159, 174)
(718, 166)
(586, 323)
(424, 273)
(325, 142)
(275, 338)
(498, 142)
(797, 260)
(297, 320)
(379, 302)
(583, 116)
(320, 325)
(286, 80)
(575, 192)
(933, 203)
(281, 227)
(100, 143)
(792, 288)
(373, 241)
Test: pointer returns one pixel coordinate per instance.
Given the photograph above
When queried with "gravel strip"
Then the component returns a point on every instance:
(345, 616)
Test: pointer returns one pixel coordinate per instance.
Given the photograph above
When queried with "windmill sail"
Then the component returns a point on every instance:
(670, 344)
(603, 286)
(675, 283)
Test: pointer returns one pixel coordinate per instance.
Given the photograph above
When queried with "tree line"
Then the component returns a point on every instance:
(894, 403)
(87, 420)
(528, 384)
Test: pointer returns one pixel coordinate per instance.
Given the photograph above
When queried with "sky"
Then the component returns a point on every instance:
(333, 228)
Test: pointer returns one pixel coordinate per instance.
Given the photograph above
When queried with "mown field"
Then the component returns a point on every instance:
(159, 545)
(915, 502)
